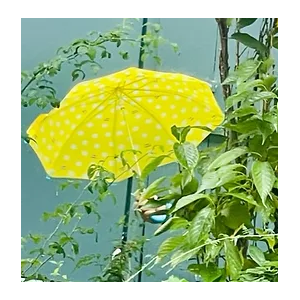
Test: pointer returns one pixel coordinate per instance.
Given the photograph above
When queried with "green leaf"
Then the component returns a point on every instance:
(209, 272)
(187, 154)
(244, 71)
(257, 255)
(172, 224)
(227, 157)
(152, 189)
(186, 200)
(242, 112)
(36, 238)
(157, 59)
(182, 254)
(233, 259)
(124, 55)
(91, 53)
(221, 176)
(152, 166)
(175, 47)
(244, 22)
(263, 178)
(170, 245)
(75, 74)
(201, 226)
(75, 247)
(234, 214)
(175, 279)
(275, 42)
(249, 41)
(243, 196)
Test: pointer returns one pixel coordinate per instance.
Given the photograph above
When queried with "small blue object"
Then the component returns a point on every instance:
(157, 219)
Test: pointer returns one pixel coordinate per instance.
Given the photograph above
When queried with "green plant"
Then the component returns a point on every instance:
(225, 218)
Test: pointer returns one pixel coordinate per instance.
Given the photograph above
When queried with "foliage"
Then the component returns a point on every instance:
(224, 199)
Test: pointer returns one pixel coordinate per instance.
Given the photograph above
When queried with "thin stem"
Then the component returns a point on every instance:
(142, 269)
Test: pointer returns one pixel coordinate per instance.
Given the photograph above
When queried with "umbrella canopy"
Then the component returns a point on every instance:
(101, 119)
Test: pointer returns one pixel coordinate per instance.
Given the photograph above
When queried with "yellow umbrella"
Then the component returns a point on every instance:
(135, 109)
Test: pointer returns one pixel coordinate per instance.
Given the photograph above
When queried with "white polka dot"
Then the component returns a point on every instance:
(175, 116)
(66, 157)
(99, 116)
(183, 110)
(104, 154)
(42, 129)
(111, 144)
(73, 146)
(144, 135)
(209, 125)
(90, 124)
(150, 100)
(78, 163)
(78, 116)
(73, 126)
(46, 159)
(158, 126)
(157, 106)
(198, 123)
(44, 140)
(136, 147)
(138, 99)
(104, 125)
(177, 97)
(94, 105)
(168, 87)
(84, 153)
(111, 163)
(170, 142)
(56, 154)
(135, 85)
(67, 121)
(80, 132)
(135, 92)
(71, 173)
(172, 106)
(157, 138)
(138, 116)
(95, 135)
(121, 147)
(164, 97)
(52, 133)
(119, 132)
(195, 109)
(96, 146)
(49, 147)
(123, 123)
(51, 122)
(59, 144)
(91, 95)
(135, 128)
(148, 121)
(112, 110)
(72, 109)
(101, 107)
(107, 134)
(180, 91)
(163, 114)
(61, 132)
(62, 113)
(144, 81)
(156, 85)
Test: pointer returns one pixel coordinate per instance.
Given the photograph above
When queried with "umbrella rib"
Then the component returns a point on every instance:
(149, 113)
